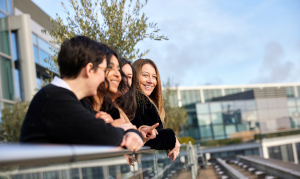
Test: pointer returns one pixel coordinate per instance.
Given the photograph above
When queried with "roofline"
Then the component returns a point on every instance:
(237, 86)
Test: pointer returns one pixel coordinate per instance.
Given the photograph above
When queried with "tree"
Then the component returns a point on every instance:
(175, 116)
(121, 25)
(12, 119)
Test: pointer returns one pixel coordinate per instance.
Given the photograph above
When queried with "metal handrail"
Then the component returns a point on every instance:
(231, 171)
(28, 154)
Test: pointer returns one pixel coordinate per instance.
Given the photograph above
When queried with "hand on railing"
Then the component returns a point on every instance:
(148, 132)
(130, 159)
(175, 151)
(132, 141)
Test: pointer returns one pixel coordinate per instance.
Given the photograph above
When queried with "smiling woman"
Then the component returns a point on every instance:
(150, 107)
(113, 76)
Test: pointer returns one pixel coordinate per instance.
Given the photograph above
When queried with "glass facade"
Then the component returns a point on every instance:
(4, 35)
(298, 150)
(19, 89)
(282, 152)
(190, 97)
(6, 78)
(226, 119)
(7, 93)
(232, 91)
(42, 51)
(290, 93)
(243, 117)
(209, 94)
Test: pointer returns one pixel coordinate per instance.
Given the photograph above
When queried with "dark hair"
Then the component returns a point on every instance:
(102, 93)
(127, 102)
(77, 52)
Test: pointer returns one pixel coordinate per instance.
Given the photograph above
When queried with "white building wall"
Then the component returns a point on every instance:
(277, 141)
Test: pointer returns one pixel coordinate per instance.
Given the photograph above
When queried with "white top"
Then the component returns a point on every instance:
(60, 83)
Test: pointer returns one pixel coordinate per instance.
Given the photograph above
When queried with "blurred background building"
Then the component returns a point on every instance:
(249, 113)
(23, 48)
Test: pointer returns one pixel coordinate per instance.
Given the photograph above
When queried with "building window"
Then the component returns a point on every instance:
(290, 93)
(282, 152)
(202, 108)
(210, 94)
(42, 50)
(232, 91)
(4, 38)
(206, 132)
(5, 6)
(190, 96)
(298, 150)
(6, 78)
(19, 89)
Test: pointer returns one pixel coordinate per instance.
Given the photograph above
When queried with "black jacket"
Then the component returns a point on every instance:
(146, 114)
(55, 115)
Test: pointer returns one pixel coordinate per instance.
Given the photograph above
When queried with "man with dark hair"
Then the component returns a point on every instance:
(56, 115)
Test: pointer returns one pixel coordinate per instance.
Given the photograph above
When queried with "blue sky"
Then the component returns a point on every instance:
(220, 42)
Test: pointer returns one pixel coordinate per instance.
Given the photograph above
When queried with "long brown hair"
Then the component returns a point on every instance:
(156, 97)
(127, 102)
(103, 100)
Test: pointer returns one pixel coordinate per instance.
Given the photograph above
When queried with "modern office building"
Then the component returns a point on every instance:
(23, 48)
(222, 112)
(241, 111)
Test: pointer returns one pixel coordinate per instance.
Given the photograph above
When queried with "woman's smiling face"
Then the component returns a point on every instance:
(147, 79)
(128, 72)
(113, 76)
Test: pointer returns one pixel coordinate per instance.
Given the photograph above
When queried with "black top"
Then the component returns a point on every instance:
(146, 114)
(113, 111)
(55, 115)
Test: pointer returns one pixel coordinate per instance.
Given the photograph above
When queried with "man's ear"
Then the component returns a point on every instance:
(89, 69)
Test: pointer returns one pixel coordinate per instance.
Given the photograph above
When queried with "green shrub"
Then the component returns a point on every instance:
(185, 140)
(12, 119)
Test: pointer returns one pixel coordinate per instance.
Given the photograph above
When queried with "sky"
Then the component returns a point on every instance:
(220, 42)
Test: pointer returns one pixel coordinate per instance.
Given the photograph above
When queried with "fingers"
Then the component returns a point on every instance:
(133, 141)
(106, 117)
(149, 130)
(172, 151)
(129, 160)
(175, 154)
(143, 134)
(123, 141)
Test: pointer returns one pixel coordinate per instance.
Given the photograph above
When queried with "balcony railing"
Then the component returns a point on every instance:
(19, 161)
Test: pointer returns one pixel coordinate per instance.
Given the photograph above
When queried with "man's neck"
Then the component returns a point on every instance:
(77, 87)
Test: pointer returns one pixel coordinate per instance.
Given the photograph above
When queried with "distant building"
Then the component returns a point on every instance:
(241, 111)
(23, 48)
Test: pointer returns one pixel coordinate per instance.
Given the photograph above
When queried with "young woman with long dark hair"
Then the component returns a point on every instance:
(150, 107)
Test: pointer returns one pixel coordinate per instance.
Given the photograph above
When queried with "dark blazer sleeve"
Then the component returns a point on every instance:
(63, 119)
(164, 140)
(166, 137)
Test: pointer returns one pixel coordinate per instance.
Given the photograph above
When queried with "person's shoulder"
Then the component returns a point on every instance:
(55, 91)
